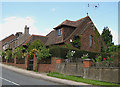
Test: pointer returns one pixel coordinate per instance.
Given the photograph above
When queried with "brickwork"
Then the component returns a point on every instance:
(58, 61)
(27, 61)
(24, 66)
(46, 67)
(85, 41)
(87, 63)
(34, 62)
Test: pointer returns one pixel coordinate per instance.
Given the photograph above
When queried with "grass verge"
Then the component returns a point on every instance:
(79, 79)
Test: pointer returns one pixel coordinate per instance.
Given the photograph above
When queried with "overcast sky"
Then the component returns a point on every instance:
(42, 17)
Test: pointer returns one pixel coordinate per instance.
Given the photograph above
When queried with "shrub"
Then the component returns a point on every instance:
(61, 52)
(19, 52)
(39, 48)
(84, 56)
(70, 54)
(8, 54)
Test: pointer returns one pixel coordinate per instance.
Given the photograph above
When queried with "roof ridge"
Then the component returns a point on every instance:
(81, 18)
(73, 32)
(39, 35)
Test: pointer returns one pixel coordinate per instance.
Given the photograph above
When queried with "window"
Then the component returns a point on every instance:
(90, 40)
(60, 32)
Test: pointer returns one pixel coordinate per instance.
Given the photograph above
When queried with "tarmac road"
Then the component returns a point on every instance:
(16, 77)
(12, 78)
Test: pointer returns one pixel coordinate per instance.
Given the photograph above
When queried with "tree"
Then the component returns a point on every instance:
(19, 52)
(38, 47)
(107, 36)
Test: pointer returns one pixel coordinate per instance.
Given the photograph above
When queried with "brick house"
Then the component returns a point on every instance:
(6, 41)
(84, 28)
(64, 33)
(14, 41)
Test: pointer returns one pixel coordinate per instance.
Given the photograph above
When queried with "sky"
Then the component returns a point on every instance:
(42, 17)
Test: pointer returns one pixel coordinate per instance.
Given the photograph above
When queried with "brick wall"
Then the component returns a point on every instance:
(85, 41)
(24, 66)
(85, 31)
(45, 67)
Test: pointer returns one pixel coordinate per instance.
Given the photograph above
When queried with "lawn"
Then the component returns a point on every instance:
(80, 79)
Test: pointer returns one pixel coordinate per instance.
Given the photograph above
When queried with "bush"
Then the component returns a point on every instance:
(39, 48)
(59, 51)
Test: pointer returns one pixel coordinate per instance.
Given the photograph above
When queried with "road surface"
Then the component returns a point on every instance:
(13, 78)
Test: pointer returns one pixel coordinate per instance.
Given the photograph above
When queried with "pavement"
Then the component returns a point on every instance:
(43, 76)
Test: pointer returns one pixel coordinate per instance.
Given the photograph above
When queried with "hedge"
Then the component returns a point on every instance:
(61, 52)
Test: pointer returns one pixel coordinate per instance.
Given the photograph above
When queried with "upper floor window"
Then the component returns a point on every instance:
(91, 40)
(60, 32)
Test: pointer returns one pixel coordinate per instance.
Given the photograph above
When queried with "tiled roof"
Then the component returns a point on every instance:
(7, 39)
(34, 37)
(53, 36)
(70, 23)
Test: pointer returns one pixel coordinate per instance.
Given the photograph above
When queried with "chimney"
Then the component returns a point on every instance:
(26, 30)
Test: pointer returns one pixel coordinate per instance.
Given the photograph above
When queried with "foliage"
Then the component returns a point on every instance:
(19, 52)
(68, 45)
(112, 48)
(61, 52)
(80, 79)
(98, 58)
(106, 61)
(3, 54)
(70, 54)
(107, 36)
(37, 44)
(76, 42)
(95, 38)
(36, 68)
(85, 56)
(8, 54)
(39, 48)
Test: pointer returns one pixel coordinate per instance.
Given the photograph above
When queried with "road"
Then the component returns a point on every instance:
(13, 78)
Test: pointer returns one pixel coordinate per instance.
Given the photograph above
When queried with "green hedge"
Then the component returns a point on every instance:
(61, 52)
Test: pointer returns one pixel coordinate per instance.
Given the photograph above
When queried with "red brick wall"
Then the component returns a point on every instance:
(24, 66)
(46, 67)
(85, 40)
(34, 62)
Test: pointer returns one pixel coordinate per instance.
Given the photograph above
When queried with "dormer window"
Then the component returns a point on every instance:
(60, 32)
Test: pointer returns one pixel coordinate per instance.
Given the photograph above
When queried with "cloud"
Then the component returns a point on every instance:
(11, 25)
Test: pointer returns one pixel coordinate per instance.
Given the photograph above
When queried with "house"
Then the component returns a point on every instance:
(82, 30)
(6, 42)
(0, 45)
(19, 39)
(81, 34)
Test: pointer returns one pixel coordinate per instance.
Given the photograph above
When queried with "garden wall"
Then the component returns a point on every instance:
(101, 74)
(21, 63)
(45, 67)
